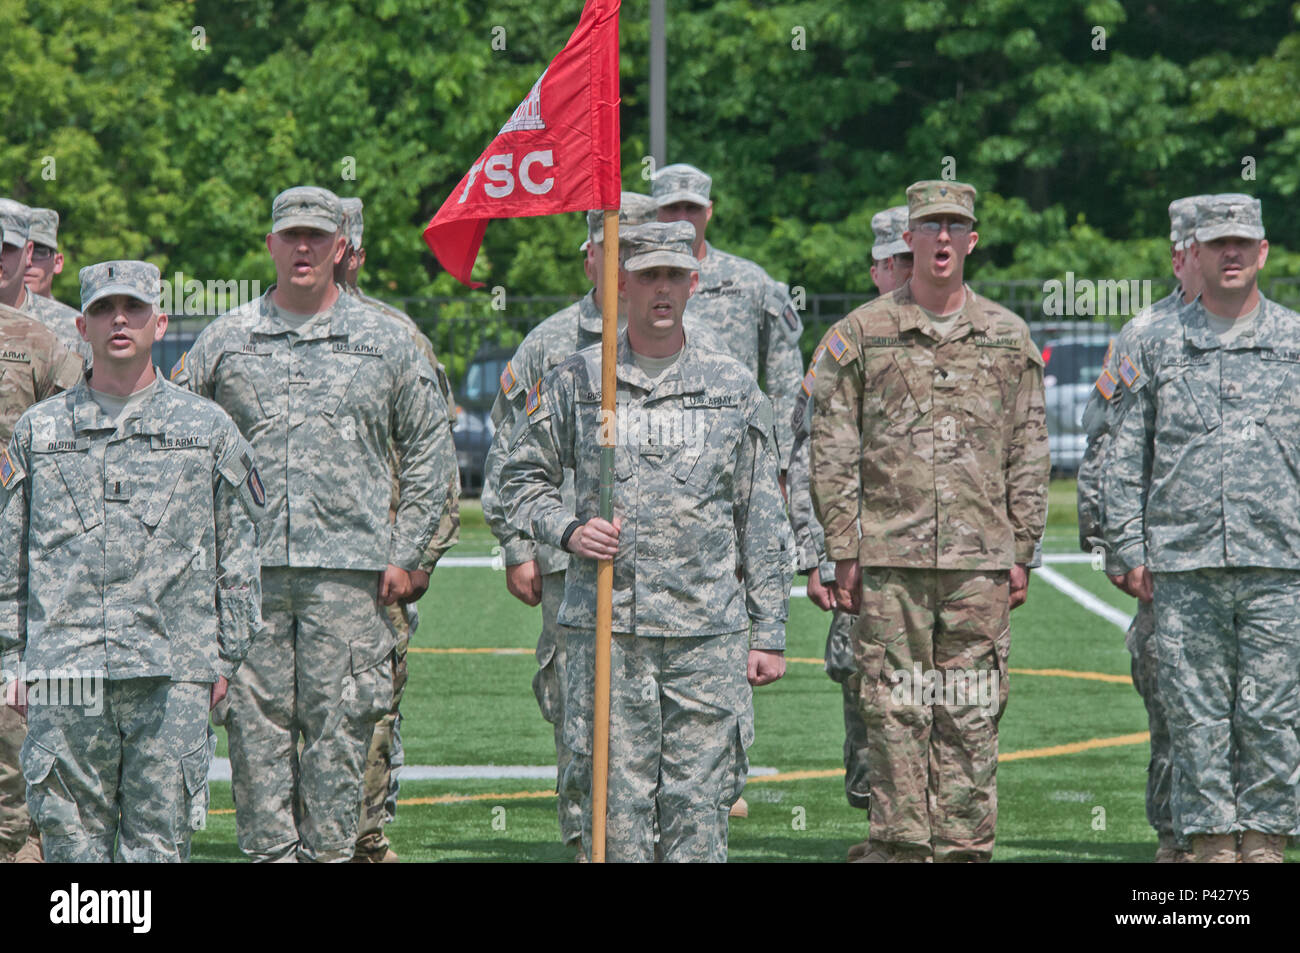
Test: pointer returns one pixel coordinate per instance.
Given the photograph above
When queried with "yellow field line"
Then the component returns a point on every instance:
(1074, 747)
(452, 651)
(1069, 673)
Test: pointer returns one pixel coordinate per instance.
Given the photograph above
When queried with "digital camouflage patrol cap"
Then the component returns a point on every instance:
(44, 228)
(354, 222)
(888, 227)
(1182, 220)
(681, 183)
(306, 206)
(1228, 215)
(633, 209)
(940, 197)
(138, 279)
(15, 220)
(668, 244)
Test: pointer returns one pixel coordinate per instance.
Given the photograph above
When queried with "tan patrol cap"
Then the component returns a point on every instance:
(661, 243)
(633, 209)
(354, 222)
(1228, 215)
(139, 279)
(940, 197)
(888, 227)
(15, 222)
(306, 206)
(44, 229)
(681, 183)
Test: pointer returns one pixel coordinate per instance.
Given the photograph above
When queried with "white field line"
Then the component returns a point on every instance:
(220, 771)
(1083, 597)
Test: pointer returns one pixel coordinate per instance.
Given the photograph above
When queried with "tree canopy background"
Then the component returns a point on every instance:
(163, 129)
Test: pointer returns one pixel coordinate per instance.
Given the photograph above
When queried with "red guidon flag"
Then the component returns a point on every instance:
(558, 152)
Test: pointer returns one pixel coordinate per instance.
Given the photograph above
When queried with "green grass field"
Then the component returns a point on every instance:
(1056, 802)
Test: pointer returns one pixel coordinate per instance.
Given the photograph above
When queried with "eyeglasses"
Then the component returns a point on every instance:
(933, 228)
(42, 253)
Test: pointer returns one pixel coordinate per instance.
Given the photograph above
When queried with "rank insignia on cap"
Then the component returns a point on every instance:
(837, 345)
(1128, 371)
(7, 469)
(180, 366)
(534, 399)
(808, 380)
(791, 319)
(255, 487)
(508, 379)
(1106, 383)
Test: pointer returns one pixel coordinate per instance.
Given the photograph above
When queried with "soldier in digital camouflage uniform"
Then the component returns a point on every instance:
(47, 261)
(535, 571)
(891, 266)
(695, 496)
(1202, 513)
(32, 229)
(1106, 403)
(929, 425)
(380, 785)
(33, 366)
(739, 309)
(129, 540)
(321, 384)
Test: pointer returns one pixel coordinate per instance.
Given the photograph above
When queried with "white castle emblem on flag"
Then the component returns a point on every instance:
(528, 115)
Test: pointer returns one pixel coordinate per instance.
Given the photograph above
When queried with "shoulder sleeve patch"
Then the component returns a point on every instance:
(808, 380)
(1106, 384)
(1128, 371)
(838, 347)
(534, 399)
(8, 472)
(255, 488)
(508, 379)
(179, 369)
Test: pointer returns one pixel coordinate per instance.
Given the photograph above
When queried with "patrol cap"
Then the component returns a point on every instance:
(44, 228)
(139, 279)
(661, 243)
(306, 206)
(680, 183)
(353, 222)
(1182, 220)
(888, 227)
(633, 209)
(940, 197)
(1228, 214)
(15, 221)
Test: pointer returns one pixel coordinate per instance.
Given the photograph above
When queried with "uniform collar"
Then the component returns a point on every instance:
(1264, 332)
(87, 414)
(338, 312)
(685, 376)
(912, 317)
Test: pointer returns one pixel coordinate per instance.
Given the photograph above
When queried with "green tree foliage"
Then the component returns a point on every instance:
(172, 124)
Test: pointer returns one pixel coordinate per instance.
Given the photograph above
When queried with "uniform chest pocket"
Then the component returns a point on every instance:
(64, 501)
(252, 372)
(334, 373)
(1186, 383)
(895, 395)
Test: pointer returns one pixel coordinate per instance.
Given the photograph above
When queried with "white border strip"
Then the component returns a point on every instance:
(1083, 597)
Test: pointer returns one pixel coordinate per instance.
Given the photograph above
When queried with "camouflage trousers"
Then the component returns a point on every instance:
(842, 667)
(384, 757)
(932, 649)
(1229, 674)
(14, 821)
(681, 719)
(134, 775)
(1141, 642)
(320, 673)
(549, 688)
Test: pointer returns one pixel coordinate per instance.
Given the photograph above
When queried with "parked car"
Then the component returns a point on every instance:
(473, 433)
(1072, 365)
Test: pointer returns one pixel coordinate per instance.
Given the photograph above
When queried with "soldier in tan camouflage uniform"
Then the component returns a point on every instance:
(535, 571)
(891, 266)
(1108, 403)
(128, 507)
(739, 309)
(695, 496)
(33, 366)
(929, 425)
(321, 383)
(379, 785)
(1202, 513)
(20, 255)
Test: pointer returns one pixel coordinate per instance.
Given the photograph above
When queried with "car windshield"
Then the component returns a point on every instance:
(1074, 362)
(481, 381)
